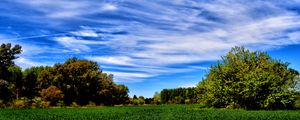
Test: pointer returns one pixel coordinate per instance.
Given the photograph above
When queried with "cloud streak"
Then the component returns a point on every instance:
(137, 40)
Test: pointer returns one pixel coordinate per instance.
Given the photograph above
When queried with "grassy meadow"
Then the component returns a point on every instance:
(153, 112)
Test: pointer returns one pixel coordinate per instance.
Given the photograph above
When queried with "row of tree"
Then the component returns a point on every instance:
(178, 96)
(242, 79)
(75, 81)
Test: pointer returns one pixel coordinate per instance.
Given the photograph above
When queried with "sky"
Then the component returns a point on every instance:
(149, 45)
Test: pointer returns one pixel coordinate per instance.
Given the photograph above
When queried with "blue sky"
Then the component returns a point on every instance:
(150, 44)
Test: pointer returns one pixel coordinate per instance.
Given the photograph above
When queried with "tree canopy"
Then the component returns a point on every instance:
(83, 81)
(250, 80)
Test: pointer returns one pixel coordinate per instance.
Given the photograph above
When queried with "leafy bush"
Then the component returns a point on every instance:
(233, 106)
(91, 104)
(60, 103)
(37, 102)
(21, 103)
(74, 104)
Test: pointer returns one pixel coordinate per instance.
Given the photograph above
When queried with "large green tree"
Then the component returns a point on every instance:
(82, 81)
(251, 80)
(10, 74)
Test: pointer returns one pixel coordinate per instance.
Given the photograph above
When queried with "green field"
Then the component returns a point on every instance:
(164, 112)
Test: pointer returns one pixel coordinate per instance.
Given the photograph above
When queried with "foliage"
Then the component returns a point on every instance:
(157, 98)
(74, 104)
(149, 101)
(82, 81)
(60, 103)
(21, 103)
(91, 104)
(2, 104)
(137, 100)
(5, 92)
(38, 102)
(178, 95)
(30, 87)
(79, 81)
(251, 80)
(52, 94)
(15, 80)
(7, 55)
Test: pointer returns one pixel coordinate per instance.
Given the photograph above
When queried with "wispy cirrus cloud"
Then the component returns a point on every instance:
(137, 40)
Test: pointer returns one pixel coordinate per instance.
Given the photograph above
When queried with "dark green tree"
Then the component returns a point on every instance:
(15, 80)
(7, 55)
(30, 87)
(251, 80)
(5, 93)
(179, 95)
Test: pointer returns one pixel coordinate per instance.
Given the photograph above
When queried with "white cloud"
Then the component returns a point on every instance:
(26, 63)
(109, 7)
(77, 45)
(62, 9)
(115, 60)
(129, 77)
(188, 85)
(85, 33)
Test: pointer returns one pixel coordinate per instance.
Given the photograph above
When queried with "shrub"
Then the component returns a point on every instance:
(60, 103)
(37, 102)
(2, 104)
(74, 104)
(91, 104)
(187, 101)
(21, 103)
(233, 106)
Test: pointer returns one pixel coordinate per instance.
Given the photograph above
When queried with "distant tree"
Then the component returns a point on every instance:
(121, 94)
(30, 87)
(156, 98)
(15, 80)
(149, 101)
(7, 55)
(82, 81)
(141, 100)
(251, 80)
(178, 95)
(134, 97)
(77, 79)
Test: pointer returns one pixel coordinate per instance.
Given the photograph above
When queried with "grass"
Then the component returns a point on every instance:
(163, 112)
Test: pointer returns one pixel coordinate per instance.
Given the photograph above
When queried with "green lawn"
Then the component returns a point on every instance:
(164, 112)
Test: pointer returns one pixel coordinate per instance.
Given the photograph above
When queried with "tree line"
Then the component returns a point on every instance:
(75, 82)
(179, 96)
(241, 79)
